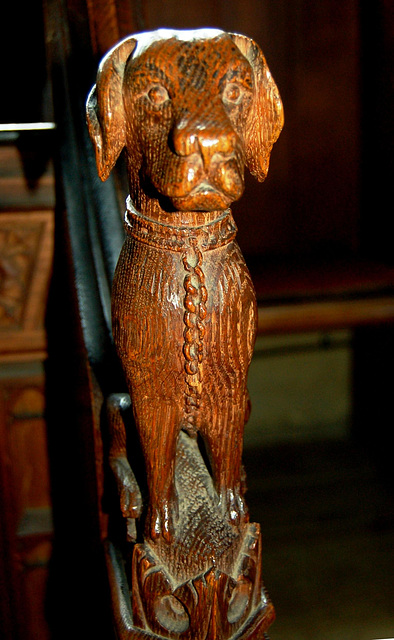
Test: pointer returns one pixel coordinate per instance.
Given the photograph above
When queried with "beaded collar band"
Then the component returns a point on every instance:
(177, 238)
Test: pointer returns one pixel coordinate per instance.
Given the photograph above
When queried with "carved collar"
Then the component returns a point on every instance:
(178, 238)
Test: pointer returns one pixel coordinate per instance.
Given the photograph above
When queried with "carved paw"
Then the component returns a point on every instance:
(129, 492)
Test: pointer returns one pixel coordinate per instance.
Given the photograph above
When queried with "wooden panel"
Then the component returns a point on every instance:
(24, 498)
(377, 97)
(27, 448)
(26, 250)
(323, 127)
(20, 191)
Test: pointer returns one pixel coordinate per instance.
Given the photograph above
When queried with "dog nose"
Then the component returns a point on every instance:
(206, 138)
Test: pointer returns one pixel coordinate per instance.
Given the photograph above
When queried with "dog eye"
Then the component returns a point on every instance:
(232, 93)
(158, 95)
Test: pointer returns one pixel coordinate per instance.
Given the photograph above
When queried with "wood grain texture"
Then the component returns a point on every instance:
(26, 251)
(25, 500)
(191, 109)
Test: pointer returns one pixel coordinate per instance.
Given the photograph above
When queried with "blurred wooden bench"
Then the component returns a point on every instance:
(297, 297)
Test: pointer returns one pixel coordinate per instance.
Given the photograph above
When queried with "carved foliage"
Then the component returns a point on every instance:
(209, 606)
(26, 249)
(18, 252)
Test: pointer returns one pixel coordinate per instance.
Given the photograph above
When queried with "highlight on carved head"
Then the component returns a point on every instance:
(191, 108)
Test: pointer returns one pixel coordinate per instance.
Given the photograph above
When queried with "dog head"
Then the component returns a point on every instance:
(191, 108)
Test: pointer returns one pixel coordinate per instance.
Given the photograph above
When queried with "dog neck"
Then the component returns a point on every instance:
(151, 208)
(179, 236)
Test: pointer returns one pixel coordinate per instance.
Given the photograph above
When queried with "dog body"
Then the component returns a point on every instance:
(190, 108)
(177, 382)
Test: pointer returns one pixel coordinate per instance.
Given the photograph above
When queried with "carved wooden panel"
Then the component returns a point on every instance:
(26, 248)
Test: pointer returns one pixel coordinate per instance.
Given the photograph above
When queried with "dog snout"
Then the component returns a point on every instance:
(211, 141)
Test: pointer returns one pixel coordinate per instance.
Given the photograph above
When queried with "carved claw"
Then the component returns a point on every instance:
(232, 503)
(160, 521)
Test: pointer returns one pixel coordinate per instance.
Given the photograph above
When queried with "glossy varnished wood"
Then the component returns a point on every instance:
(191, 109)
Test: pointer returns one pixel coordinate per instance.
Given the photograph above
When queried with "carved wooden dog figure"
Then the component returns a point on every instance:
(190, 109)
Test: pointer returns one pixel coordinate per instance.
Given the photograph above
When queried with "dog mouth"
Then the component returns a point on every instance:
(203, 197)
(197, 190)
(204, 189)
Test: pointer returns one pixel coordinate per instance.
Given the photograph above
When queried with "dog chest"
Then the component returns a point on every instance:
(175, 302)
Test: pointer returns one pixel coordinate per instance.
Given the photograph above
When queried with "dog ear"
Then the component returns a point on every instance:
(266, 119)
(104, 108)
